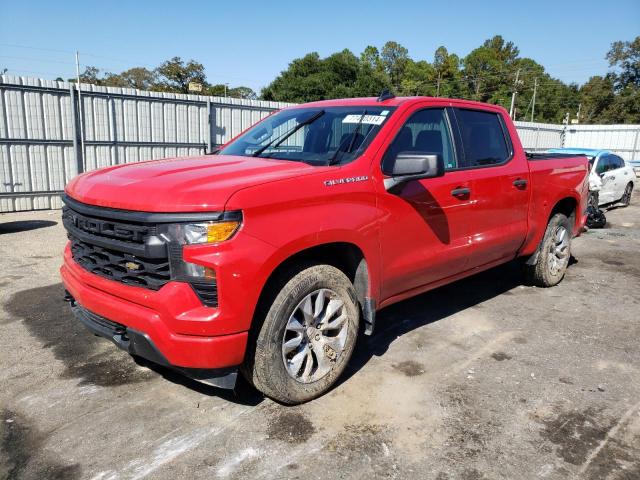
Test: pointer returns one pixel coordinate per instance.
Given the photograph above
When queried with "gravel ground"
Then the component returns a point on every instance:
(484, 378)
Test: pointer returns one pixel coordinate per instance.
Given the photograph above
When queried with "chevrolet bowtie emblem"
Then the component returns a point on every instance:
(132, 266)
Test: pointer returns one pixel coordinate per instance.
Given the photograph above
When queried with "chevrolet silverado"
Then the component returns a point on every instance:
(272, 256)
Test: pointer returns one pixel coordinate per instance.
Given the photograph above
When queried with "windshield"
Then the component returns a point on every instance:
(322, 136)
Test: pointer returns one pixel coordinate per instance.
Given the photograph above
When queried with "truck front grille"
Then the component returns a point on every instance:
(123, 251)
(122, 267)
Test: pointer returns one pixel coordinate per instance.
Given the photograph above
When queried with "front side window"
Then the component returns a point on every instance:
(318, 136)
(483, 138)
(426, 131)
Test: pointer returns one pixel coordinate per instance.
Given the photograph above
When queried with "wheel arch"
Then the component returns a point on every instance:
(566, 204)
(568, 207)
(347, 257)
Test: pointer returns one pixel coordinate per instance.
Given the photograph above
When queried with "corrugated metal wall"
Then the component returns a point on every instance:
(621, 139)
(48, 135)
(539, 136)
(44, 126)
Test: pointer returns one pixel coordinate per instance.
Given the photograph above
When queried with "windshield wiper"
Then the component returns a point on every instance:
(356, 131)
(278, 140)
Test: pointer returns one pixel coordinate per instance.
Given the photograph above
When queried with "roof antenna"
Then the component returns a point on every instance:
(385, 95)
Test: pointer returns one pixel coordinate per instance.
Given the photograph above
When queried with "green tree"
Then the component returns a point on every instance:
(394, 59)
(418, 79)
(137, 77)
(447, 74)
(371, 57)
(625, 58)
(313, 78)
(175, 75)
(490, 71)
(596, 96)
(90, 75)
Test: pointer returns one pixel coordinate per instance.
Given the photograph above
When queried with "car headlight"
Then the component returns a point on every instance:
(210, 232)
(220, 228)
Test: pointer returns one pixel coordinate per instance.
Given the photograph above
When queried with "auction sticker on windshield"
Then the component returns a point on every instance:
(369, 119)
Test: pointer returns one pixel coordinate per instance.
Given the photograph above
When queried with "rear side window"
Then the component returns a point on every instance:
(617, 161)
(483, 138)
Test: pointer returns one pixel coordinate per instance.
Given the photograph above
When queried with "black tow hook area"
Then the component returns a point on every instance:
(69, 298)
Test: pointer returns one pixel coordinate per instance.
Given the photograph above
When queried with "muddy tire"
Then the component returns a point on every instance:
(626, 197)
(307, 336)
(553, 254)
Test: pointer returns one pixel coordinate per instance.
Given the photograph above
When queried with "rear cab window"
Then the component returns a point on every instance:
(484, 138)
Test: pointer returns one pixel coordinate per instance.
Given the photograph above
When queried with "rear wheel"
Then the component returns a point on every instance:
(553, 253)
(626, 196)
(307, 337)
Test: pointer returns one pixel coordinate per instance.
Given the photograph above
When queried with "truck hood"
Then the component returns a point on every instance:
(179, 184)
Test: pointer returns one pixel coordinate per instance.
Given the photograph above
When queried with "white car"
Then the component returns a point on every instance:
(610, 175)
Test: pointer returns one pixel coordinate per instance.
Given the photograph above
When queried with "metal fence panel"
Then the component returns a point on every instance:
(539, 136)
(47, 133)
(621, 139)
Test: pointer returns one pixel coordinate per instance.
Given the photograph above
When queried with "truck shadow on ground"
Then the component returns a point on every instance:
(25, 226)
(408, 315)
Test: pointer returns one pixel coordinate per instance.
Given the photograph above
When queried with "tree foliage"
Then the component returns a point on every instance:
(173, 75)
(490, 73)
(487, 74)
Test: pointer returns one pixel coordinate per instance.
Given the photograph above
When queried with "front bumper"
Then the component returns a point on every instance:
(173, 320)
(139, 344)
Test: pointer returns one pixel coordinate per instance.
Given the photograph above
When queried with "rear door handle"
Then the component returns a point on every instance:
(460, 192)
(520, 183)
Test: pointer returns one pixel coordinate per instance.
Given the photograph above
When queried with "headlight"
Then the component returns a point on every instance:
(220, 228)
(211, 232)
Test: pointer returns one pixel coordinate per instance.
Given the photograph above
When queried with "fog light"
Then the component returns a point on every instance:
(194, 270)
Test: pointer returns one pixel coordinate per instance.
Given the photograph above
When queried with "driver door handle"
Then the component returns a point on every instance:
(460, 192)
(520, 183)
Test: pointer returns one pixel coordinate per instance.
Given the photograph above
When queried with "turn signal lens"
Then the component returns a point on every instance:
(221, 231)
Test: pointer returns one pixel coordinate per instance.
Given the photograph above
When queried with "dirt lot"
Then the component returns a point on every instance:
(485, 378)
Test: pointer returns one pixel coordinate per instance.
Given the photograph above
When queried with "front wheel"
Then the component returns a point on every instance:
(626, 196)
(554, 253)
(307, 337)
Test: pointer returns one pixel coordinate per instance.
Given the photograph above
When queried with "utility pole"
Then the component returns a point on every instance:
(513, 95)
(438, 89)
(226, 85)
(533, 106)
(578, 114)
(80, 109)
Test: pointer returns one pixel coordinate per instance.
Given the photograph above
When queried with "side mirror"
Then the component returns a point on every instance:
(413, 166)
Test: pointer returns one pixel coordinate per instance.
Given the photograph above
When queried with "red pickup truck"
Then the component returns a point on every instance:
(271, 256)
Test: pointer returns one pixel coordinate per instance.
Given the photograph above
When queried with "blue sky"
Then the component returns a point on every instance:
(249, 43)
